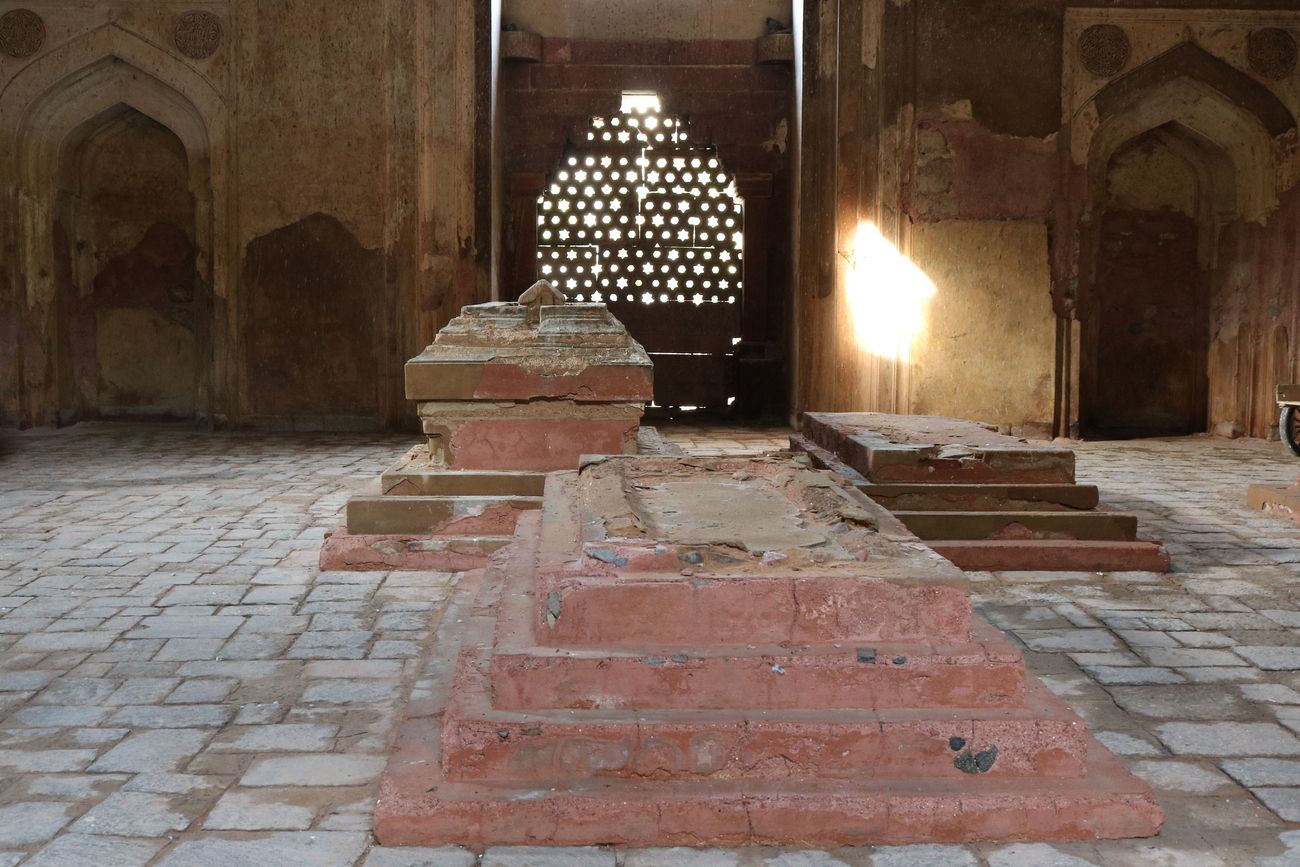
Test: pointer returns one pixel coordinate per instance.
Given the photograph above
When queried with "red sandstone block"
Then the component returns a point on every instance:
(423, 809)
(537, 444)
(624, 611)
(418, 805)
(625, 383)
(842, 570)
(342, 551)
(981, 670)
(481, 742)
(531, 680)
(506, 381)
(897, 448)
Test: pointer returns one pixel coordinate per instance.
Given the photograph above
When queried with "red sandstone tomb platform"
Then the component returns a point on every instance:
(982, 499)
(506, 393)
(685, 651)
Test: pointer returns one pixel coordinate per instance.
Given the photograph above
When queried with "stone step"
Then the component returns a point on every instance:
(530, 672)
(408, 477)
(1101, 526)
(887, 676)
(437, 515)
(1041, 737)
(417, 806)
(344, 551)
(913, 448)
(1035, 555)
(982, 498)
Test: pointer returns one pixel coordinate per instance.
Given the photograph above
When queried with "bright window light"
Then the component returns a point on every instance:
(640, 102)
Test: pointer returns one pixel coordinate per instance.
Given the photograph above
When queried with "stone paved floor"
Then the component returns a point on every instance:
(179, 685)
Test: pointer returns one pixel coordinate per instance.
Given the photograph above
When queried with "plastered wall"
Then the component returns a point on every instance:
(986, 350)
(960, 129)
(327, 148)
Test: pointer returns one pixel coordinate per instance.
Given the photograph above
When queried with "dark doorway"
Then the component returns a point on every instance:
(135, 332)
(1148, 317)
(720, 348)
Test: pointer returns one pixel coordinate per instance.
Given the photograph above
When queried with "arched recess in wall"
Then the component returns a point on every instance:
(1183, 146)
(49, 112)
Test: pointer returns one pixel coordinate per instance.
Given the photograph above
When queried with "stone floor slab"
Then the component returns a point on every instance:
(85, 850)
(243, 515)
(300, 849)
(559, 856)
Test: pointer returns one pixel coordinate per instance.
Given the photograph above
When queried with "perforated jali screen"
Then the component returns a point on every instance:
(638, 216)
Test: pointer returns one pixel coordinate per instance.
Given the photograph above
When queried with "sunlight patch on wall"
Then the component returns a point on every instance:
(888, 296)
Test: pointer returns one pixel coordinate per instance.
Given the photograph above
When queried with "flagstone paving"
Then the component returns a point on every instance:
(180, 685)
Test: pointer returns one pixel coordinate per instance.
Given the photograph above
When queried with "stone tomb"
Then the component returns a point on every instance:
(505, 393)
(710, 651)
(980, 498)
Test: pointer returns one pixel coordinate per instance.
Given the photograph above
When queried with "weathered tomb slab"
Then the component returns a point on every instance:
(481, 777)
(991, 518)
(491, 352)
(741, 551)
(529, 671)
(501, 390)
(917, 448)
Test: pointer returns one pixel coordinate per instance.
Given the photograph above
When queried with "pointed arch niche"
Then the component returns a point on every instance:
(1170, 155)
(109, 299)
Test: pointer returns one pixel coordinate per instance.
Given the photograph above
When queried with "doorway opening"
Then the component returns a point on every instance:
(1149, 320)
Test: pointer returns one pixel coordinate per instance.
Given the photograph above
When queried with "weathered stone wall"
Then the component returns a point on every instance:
(326, 154)
(948, 116)
(1255, 320)
(333, 174)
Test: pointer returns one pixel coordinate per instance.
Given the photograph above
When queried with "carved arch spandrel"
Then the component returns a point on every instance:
(1190, 87)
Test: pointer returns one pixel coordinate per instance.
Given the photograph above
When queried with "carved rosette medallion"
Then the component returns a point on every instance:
(22, 33)
(198, 34)
(1104, 49)
(1271, 52)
